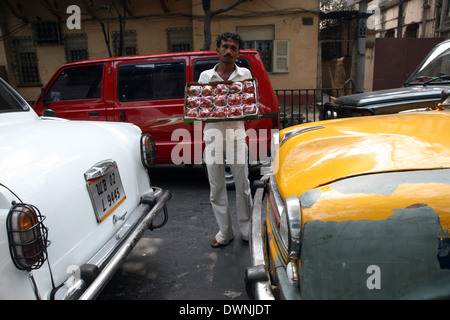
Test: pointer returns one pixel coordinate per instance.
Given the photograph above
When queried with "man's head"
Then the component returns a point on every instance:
(229, 35)
(228, 47)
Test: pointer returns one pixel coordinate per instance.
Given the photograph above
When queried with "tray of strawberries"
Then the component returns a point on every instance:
(221, 101)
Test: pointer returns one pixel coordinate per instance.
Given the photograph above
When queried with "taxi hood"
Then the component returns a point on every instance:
(341, 148)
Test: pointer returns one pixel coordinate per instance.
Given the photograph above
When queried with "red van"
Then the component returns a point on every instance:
(149, 92)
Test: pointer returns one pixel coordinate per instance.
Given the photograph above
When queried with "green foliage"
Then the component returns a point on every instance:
(332, 5)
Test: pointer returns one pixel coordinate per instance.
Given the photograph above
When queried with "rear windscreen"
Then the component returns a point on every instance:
(201, 65)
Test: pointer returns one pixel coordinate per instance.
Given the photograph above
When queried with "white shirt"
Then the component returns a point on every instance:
(239, 74)
(237, 127)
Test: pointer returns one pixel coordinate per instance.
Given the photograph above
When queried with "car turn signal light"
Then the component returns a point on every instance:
(27, 236)
(148, 150)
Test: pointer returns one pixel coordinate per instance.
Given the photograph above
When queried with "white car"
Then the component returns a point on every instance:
(75, 197)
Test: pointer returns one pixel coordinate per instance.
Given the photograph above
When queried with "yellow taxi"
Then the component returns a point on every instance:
(355, 208)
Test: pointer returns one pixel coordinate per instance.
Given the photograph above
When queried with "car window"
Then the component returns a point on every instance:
(77, 83)
(151, 81)
(434, 68)
(201, 65)
(10, 101)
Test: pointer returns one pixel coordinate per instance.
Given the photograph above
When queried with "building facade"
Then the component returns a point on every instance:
(39, 36)
(407, 18)
(403, 19)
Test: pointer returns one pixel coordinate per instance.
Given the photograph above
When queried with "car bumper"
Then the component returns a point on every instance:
(256, 278)
(96, 273)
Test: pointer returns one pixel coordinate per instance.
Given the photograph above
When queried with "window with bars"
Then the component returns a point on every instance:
(129, 43)
(76, 47)
(274, 53)
(265, 49)
(47, 32)
(389, 33)
(26, 62)
(412, 31)
(179, 40)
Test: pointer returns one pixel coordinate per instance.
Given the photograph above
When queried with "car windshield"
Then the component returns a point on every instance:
(435, 68)
(10, 101)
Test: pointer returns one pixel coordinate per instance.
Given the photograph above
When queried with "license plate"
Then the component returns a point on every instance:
(106, 193)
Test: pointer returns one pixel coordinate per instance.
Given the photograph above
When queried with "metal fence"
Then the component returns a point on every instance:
(304, 105)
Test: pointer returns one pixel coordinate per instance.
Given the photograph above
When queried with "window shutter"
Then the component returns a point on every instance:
(281, 56)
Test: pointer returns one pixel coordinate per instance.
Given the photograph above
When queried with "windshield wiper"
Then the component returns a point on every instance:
(417, 79)
(442, 77)
(430, 79)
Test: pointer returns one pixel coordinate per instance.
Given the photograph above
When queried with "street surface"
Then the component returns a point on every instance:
(177, 262)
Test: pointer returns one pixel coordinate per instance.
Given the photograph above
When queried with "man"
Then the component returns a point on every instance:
(233, 147)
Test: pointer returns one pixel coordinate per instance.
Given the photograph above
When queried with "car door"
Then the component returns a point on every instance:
(76, 93)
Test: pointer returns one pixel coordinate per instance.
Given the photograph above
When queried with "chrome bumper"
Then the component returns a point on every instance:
(96, 273)
(256, 278)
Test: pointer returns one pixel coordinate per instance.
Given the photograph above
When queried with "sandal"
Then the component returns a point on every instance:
(217, 244)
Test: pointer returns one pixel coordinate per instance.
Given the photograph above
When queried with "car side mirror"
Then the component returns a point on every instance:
(48, 113)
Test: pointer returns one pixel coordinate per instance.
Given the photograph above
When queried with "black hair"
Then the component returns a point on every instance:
(233, 36)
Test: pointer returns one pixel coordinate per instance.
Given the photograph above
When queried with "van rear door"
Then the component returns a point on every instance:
(76, 93)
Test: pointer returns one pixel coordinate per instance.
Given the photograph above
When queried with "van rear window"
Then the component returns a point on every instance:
(151, 81)
(201, 65)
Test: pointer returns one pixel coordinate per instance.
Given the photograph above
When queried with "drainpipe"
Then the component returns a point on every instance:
(426, 7)
(361, 59)
(400, 20)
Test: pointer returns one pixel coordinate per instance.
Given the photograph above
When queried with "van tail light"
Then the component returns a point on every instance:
(148, 150)
(27, 236)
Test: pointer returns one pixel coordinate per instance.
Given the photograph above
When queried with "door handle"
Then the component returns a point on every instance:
(94, 113)
(123, 116)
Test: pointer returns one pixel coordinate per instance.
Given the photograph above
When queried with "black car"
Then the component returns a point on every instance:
(422, 90)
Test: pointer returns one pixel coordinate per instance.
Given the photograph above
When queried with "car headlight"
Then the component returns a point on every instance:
(274, 142)
(290, 230)
(27, 236)
(285, 219)
(148, 150)
(291, 225)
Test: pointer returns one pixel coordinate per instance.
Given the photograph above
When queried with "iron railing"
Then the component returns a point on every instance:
(304, 105)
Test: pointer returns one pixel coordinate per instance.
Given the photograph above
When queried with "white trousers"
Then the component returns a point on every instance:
(234, 150)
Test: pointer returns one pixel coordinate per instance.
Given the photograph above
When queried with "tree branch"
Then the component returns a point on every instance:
(218, 11)
(206, 4)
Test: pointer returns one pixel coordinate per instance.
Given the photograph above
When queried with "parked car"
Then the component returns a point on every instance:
(149, 91)
(74, 198)
(355, 208)
(422, 90)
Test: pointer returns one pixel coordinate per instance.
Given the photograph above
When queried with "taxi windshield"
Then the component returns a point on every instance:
(10, 101)
(435, 68)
